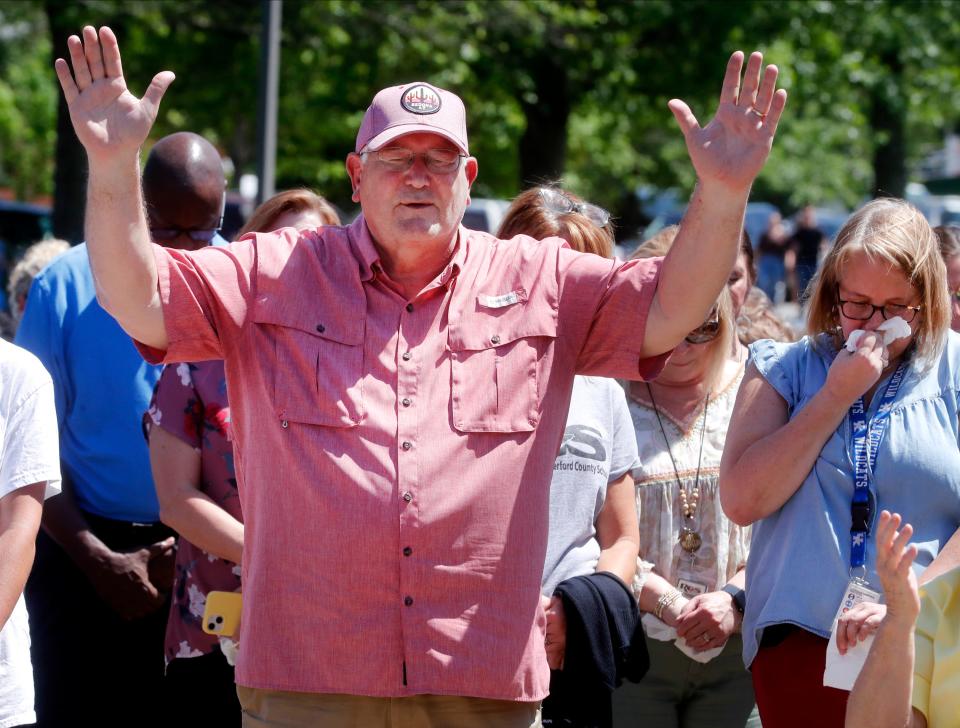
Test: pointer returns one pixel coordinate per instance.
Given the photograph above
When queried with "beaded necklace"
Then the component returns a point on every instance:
(689, 537)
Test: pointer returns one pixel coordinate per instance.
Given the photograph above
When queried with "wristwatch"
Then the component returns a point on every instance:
(739, 596)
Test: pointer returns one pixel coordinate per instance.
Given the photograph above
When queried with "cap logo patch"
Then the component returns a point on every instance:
(421, 99)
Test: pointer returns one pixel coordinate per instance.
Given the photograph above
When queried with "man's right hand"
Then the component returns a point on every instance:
(122, 580)
(109, 121)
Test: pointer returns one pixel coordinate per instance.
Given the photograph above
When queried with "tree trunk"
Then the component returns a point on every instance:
(888, 124)
(543, 146)
(70, 168)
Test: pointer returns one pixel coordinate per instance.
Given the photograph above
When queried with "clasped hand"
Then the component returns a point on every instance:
(135, 583)
(707, 620)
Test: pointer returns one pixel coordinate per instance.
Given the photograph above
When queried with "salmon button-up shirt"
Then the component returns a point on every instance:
(394, 456)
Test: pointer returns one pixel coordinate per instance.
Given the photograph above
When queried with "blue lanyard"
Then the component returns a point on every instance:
(866, 438)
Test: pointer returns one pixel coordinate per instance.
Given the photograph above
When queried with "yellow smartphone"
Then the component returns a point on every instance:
(221, 615)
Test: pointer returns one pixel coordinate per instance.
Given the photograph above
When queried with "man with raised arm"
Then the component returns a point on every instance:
(398, 392)
(98, 594)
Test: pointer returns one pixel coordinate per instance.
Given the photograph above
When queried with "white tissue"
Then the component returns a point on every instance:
(893, 329)
(229, 648)
(659, 630)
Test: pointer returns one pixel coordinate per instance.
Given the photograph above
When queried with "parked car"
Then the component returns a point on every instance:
(485, 214)
(22, 223)
(940, 209)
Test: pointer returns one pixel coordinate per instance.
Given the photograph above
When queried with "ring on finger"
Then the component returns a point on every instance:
(755, 110)
(704, 638)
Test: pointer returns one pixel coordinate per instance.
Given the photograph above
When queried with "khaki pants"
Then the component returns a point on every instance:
(279, 709)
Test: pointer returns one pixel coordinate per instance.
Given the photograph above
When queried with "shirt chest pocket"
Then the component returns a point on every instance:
(317, 377)
(497, 367)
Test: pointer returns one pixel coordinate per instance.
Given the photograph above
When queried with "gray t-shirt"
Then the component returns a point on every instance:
(598, 447)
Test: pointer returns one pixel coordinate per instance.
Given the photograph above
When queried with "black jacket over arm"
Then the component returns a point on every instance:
(602, 617)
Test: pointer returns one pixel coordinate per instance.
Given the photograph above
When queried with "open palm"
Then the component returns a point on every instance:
(732, 148)
(106, 117)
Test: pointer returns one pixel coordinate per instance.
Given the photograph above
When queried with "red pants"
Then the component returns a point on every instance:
(788, 683)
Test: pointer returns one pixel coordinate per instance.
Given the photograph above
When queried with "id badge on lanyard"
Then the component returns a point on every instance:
(841, 670)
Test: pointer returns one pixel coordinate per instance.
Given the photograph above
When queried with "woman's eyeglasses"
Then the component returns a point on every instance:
(559, 203)
(705, 332)
(864, 310)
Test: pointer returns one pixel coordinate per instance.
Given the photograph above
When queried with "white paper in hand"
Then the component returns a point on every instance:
(893, 329)
(841, 670)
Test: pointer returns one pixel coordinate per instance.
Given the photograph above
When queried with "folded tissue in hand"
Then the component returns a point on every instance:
(892, 329)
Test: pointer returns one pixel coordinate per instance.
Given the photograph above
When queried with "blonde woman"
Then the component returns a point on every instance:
(825, 435)
(690, 577)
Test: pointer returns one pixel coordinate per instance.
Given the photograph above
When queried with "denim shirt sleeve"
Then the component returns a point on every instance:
(778, 363)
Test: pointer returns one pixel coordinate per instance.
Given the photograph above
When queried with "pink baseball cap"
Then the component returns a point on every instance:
(411, 108)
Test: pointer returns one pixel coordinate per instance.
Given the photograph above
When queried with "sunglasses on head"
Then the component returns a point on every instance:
(560, 204)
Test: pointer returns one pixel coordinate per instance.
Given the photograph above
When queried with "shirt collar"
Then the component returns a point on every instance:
(363, 248)
(369, 259)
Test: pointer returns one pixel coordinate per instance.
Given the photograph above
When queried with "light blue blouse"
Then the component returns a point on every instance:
(800, 556)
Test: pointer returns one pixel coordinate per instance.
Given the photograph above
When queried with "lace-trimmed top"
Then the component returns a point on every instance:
(725, 544)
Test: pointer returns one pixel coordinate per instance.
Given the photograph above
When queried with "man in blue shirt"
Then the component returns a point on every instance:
(98, 592)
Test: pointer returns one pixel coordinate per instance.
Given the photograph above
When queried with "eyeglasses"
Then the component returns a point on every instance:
(559, 203)
(400, 159)
(705, 332)
(200, 236)
(864, 310)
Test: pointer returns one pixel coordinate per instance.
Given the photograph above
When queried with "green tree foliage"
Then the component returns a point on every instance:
(569, 89)
(28, 102)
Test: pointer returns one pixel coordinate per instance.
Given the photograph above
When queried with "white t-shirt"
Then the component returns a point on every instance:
(28, 454)
(598, 447)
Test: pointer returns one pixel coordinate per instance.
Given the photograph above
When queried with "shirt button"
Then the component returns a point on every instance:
(321, 328)
(408, 601)
(409, 308)
(405, 401)
(407, 550)
(406, 445)
(495, 339)
(408, 497)
(284, 424)
(406, 356)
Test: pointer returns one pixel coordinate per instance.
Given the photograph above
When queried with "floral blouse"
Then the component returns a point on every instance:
(724, 544)
(190, 402)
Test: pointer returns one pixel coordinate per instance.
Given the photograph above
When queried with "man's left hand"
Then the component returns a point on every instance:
(731, 150)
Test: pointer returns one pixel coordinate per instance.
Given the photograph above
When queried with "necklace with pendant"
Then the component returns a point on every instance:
(689, 537)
